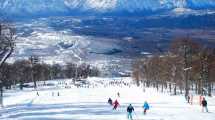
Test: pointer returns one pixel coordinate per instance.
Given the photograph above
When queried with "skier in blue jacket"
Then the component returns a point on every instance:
(145, 107)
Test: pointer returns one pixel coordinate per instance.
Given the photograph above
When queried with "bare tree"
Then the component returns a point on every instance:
(7, 42)
(187, 66)
(185, 48)
(7, 38)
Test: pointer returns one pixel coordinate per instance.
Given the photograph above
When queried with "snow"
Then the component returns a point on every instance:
(91, 103)
(101, 5)
(37, 7)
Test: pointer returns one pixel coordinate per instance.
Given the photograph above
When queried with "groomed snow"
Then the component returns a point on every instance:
(91, 103)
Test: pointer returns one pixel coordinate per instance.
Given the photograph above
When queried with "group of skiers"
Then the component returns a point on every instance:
(53, 93)
(203, 102)
(58, 93)
(115, 104)
(130, 108)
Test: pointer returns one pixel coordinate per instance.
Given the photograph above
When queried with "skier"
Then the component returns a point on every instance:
(188, 99)
(115, 105)
(38, 93)
(204, 105)
(130, 109)
(118, 94)
(110, 101)
(200, 99)
(145, 107)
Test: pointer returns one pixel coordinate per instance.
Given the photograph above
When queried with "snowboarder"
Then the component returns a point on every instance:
(145, 107)
(204, 105)
(115, 105)
(130, 109)
(110, 101)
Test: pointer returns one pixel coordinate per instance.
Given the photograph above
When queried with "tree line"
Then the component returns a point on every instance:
(24, 71)
(186, 66)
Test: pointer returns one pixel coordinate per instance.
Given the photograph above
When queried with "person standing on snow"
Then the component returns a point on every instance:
(130, 109)
(204, 105)
(115, 105)
(145, 107)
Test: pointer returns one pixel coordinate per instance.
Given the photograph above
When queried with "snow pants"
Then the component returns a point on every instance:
(204, 108)
(130, 116)
(145, 110)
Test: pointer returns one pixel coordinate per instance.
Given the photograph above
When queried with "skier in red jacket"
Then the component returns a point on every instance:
(115, 105)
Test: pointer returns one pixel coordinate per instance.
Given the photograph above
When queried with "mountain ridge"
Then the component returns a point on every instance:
(25, 8)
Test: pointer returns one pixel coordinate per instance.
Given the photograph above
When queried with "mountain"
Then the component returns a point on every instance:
(26, 8)
(102, 32)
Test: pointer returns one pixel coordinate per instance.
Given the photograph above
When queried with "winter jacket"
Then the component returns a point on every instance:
(116, 103)
(146, 106)
(204, 103)
(130, 109)
(110, 101)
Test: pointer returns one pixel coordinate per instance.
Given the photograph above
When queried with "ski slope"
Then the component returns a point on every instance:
(85, 103)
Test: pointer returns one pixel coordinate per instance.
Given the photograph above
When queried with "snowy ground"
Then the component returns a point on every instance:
(91, 104)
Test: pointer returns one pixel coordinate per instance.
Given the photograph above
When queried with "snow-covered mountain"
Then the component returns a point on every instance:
(58, 36)
(62, 7)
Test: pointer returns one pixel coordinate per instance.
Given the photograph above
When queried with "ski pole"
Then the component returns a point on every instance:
(135, 115)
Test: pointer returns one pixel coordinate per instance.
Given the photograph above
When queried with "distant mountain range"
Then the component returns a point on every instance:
(102, 32)
(35, 8)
